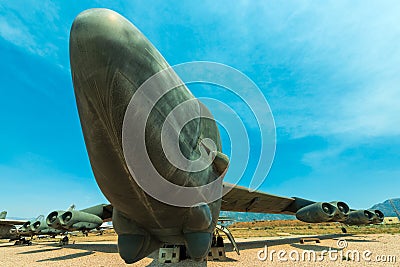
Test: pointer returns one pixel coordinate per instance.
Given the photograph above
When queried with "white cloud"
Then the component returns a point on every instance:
(16, 32)
(348, 69)
(28, 26)
(370, 113)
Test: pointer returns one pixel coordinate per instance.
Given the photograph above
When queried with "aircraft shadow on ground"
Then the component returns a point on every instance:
(112, 248)
(9, 245)
(39, 250)
(227, 259)
(361, 240)
(276, 242)
(316, 248)
(106, 248)
(68, 257)
(181, 263)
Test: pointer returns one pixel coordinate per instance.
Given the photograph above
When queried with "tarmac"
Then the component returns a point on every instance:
(333, 250)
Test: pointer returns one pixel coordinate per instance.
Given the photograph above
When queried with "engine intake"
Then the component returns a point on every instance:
(25, 228)
(35, 225)
(342, 211)
(317, 212)
(52, 219)
(378, 218)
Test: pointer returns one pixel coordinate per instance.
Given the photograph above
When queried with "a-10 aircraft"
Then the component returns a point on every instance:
(56, 223)
(79, 220)
(110, 60)
(8, 227)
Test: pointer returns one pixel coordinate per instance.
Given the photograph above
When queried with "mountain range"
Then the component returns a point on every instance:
(387, 208)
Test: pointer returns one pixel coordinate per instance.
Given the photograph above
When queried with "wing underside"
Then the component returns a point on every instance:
(242, 200)
(11, 222)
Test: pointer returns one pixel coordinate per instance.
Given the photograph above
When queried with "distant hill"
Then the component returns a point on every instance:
(250, 216)
(387, 208)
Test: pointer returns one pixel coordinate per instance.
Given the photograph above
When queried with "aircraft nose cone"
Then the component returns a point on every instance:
(103, 34)
(91, 33)
(102, 45)
(97, 23)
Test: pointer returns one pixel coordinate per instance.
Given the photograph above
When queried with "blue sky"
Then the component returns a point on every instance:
(330, 72)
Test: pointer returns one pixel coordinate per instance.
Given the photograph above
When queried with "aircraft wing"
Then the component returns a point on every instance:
(12, 222)
(240, 199)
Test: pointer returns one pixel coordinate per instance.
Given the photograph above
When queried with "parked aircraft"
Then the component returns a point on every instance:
(58, 222)
(3, 215)
(79, 220)
(40, 227)
(8, 229)
(110, 60)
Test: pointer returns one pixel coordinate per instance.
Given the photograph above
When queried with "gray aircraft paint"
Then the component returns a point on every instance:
(110, 59)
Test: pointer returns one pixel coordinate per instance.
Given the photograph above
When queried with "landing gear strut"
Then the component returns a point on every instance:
(219, 240)
(23, 241)
(64, 241)
(217, 251)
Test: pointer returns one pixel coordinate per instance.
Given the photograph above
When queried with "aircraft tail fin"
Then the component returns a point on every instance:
(3, 214)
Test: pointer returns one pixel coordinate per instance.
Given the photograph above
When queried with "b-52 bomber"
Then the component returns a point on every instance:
(111, 63)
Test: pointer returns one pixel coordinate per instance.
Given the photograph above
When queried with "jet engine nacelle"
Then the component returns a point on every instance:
(93, 213)
(35, 226)
(360, 217)
(41, 227)
(317, 212)
(25, 229)
(26, 225)
(378, 218)
(84, 226)
(342, 211)
(13, 230)
(53, 220)
(79, 220)
(50, 231)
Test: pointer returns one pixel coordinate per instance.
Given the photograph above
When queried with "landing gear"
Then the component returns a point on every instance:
(171, 254)
(64, 241)
(175, 253)
(342, 227)
(217, 251)
(219, 241)
(23, 241)
(228, 234)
